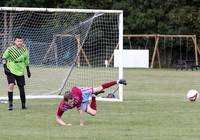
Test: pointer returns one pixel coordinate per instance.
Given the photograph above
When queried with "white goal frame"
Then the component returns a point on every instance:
(120, 44)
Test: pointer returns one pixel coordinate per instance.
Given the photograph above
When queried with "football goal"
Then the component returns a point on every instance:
(67, 47)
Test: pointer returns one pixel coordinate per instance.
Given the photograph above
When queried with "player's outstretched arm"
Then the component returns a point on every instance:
(81, 117)
(59, 120)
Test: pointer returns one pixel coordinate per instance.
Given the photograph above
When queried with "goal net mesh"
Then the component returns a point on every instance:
(66, 49)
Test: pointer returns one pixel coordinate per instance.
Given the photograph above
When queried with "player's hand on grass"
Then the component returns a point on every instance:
(68, 124)
(81, 124)
(122, 81)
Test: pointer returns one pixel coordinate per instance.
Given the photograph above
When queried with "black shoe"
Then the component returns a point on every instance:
(24, 106)
(122, 81)
(10, 108)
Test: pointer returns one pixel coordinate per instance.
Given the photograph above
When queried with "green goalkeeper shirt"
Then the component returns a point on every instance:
(17, 59)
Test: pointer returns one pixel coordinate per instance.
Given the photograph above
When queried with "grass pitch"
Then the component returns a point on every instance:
(154, 108)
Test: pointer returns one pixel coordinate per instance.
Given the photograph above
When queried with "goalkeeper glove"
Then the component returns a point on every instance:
(28, 71)
(122, 81)
(6, 70)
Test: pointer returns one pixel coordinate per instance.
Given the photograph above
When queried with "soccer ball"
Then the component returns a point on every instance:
(192, 95)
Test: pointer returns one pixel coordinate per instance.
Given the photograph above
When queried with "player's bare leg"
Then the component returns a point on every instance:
(92, 107)
(91, 111)
(109, 84)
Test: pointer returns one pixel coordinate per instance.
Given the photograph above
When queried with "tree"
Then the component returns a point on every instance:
(140, 16)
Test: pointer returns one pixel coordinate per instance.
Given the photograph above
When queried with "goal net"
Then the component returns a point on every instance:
(67, 47)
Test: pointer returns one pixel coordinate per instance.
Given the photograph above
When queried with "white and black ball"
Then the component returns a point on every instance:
(192, 95)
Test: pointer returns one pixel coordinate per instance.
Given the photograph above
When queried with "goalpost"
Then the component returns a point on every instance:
(67, 47)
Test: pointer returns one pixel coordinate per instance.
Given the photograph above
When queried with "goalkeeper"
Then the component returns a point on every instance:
(79, 98)
(15, 59)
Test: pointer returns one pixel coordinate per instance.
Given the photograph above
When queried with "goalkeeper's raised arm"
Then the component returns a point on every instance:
(79, 98)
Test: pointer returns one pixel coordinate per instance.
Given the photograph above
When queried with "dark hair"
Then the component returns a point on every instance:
(68, 96)
(18, 37)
